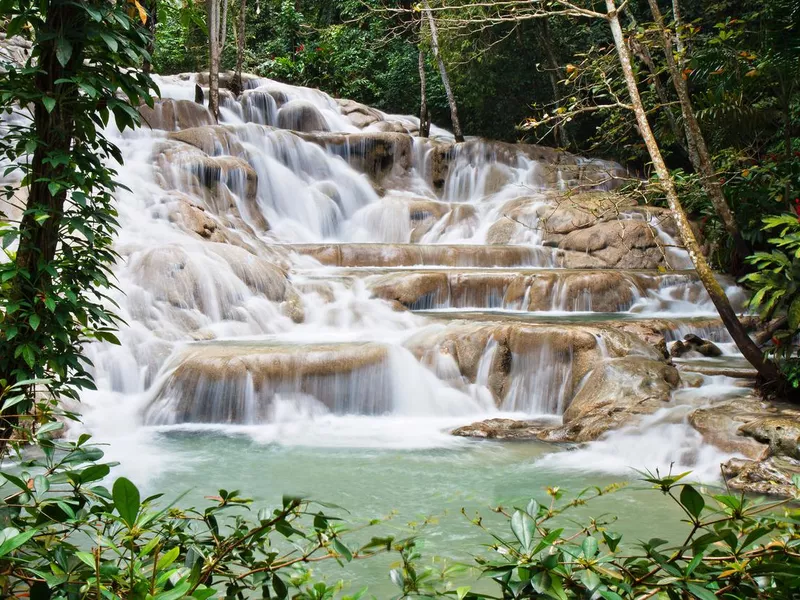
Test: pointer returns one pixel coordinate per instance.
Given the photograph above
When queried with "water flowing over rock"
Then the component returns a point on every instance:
(310, 258)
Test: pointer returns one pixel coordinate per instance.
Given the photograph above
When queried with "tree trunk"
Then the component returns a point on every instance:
(451, 99)
(217, 11)
(424, 117)
(767, 370)
(643, 53)
(698, 150)
(212, 10)
(676, 15)
(38, 239)
(236, 83)
(553, 71)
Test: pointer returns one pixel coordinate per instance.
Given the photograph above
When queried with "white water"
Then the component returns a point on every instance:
(178, 288)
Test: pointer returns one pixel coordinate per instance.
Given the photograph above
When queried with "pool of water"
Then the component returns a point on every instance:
(404, 484)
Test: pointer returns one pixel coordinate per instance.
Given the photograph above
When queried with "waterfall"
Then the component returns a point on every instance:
(310, 260)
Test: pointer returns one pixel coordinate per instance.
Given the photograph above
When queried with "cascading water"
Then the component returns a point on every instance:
(267, 264)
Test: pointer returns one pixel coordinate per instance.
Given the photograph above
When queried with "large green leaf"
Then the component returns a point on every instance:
(126, 500)
(523, 526)
(692, 501)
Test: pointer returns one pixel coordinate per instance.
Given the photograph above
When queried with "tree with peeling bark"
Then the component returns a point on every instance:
(217, 15)
(451, 99)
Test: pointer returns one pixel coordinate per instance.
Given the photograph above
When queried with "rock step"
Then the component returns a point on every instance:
(238, 382)
(727, 366)
(409, 255)
(671, 328)
(532, 290)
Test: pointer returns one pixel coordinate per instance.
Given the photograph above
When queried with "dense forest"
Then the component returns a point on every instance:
(180, 272)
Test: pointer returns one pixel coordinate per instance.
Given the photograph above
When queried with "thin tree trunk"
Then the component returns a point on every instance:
(698, 150)
(553, 71)
(451, 99)
(236, 83)
(424, 118)
(767, 370)
(643, 53)
(212, 10)
(38, 239)
(217, 11)
(676, 15)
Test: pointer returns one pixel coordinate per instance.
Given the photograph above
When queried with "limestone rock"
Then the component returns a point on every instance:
(175, 115)
(211, 140)
(228, 382)
(624, 244)
(772, 477)
(300, 115)
(694, 344)
(616, 392)
(503, 429)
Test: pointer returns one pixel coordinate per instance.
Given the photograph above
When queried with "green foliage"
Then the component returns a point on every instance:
(55, 274)
(776, 286)
(732, 547)
(65, 535)
(181, 37)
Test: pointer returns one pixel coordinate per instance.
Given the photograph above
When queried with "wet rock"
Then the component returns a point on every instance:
(720, 424)
(383, 156)
(239, 382)
(359, 114)
(617, 392)
(293, 307)
(300, 115)
(211, 140)
(694, 343)
(504, 429)
(624, 244)
(771, 477)
(175, 115)
(210, 278)
(780, 433)
(395, 255)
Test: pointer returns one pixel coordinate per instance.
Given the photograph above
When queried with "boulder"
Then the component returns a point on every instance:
(175, 115)
(694, 344)
(211, 140)
(301, 115)
(624, 244)
(720, 424)
(359, 114)
(504, 429)
(771, 477)
(617, 391)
